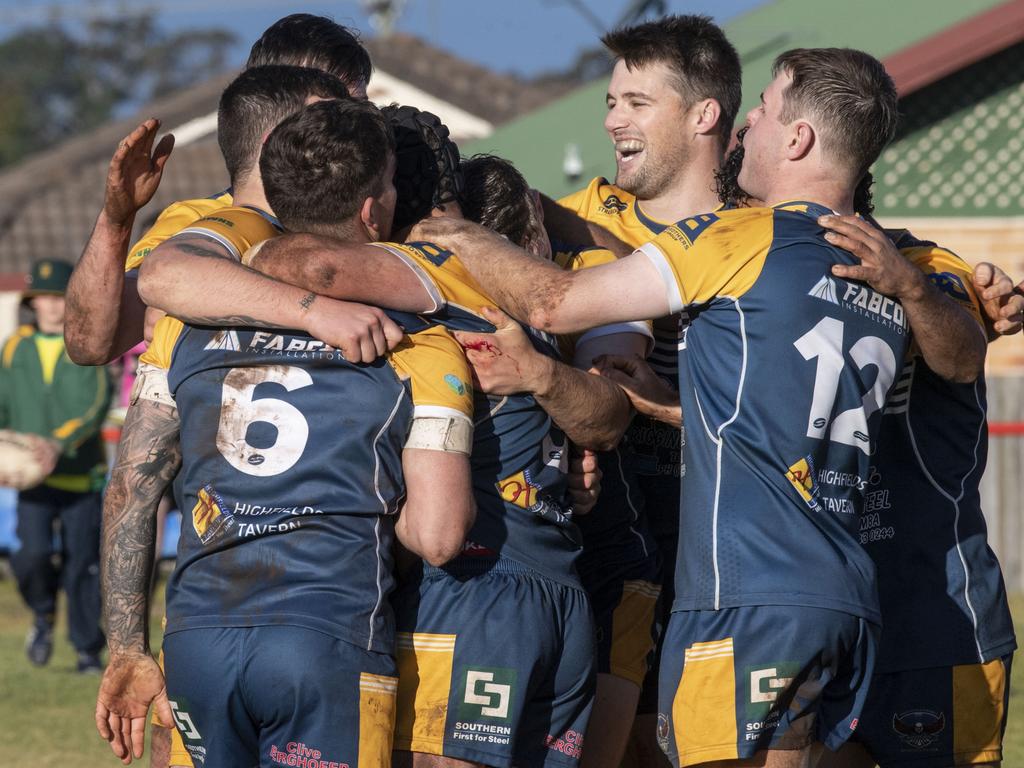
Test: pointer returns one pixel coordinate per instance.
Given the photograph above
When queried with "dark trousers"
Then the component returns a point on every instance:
(38, 580)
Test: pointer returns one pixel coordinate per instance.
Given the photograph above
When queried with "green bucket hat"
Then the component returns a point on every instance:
(48, 276)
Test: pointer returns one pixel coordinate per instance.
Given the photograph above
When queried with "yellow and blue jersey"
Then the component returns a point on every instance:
(171, 221)
(291, 469)
(520, 457)
(783, 371)
(618, 211)
(940, 586)
(645, 482)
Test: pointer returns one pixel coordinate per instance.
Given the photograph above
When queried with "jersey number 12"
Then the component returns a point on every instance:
(824, 342)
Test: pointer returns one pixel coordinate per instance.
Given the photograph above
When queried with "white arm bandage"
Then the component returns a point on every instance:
(151, 384)
(453, 434)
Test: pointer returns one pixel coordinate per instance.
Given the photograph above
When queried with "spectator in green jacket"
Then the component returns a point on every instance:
(43, 393)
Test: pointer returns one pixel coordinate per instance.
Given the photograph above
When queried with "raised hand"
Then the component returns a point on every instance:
(135, 171)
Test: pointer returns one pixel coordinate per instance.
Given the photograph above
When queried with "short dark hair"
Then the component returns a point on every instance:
(427, 173)
(320, 164)
(696, 50)
(256, 101)
(305, 40)
(498, 197)
(852, 95)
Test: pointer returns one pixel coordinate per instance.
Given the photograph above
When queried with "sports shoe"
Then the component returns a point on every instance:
(39, 643)
(89, 663)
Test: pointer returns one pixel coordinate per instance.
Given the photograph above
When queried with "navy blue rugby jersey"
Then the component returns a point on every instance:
(783, 371)
(616, 529)
(940, 586)
(291, 471)
(520, 457)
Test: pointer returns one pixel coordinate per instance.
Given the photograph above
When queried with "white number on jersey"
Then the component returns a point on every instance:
(824, 342)
(238, 410)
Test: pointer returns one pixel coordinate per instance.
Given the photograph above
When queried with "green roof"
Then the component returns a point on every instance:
(537, 142)
(960, 151)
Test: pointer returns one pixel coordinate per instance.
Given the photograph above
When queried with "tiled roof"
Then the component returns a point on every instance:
(49, 202)
(538, 143)
(494, 97)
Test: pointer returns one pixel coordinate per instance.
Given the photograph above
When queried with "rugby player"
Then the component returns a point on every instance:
(258, 99)
(618, 567)
(941, 686)
(772, 637)
(931, 703)
(517, 687)
(104, 310)
(293, 576)
(672, 101)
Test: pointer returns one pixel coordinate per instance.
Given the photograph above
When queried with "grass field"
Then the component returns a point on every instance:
(47, 714)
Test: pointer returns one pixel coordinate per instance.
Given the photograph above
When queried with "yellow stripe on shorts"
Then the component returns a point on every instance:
(979, 692)
(377, 695)
(424, 684)
(704, 707)
(632, 639)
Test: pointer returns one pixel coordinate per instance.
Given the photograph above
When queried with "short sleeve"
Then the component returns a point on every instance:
(172, 220)
(950, 274)
(438, 372)
(237, 229)
(714, 254)
(445, 278)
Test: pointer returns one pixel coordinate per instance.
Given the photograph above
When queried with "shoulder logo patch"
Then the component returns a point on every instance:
(825, 289)
(950, 284)
(226, 340)
(613, 204)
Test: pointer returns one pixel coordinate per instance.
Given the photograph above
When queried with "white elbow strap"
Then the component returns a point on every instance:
(453, 434)
(151, 384)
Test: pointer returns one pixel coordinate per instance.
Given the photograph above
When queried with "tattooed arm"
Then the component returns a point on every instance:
(197, 279)
(148, 458)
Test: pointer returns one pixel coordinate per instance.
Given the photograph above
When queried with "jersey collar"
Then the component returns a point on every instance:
(813, 210)
(272, 219)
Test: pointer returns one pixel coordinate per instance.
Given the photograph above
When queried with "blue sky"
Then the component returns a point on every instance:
(521, 36)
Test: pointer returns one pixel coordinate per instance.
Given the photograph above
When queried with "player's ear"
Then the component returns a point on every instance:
(802, 138)
(707, 113)
(371, 214)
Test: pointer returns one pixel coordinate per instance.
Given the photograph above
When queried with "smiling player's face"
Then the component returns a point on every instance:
(646, 123)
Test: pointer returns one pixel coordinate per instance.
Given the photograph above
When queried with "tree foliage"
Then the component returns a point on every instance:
(55, 84)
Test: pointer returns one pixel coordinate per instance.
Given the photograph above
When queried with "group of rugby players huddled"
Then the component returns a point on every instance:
(421, 531)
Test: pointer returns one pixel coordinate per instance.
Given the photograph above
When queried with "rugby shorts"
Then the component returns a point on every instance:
(661, 502)
(496, 665)
(280, 695)
(624, 599)
(740, 680)
(937, 717)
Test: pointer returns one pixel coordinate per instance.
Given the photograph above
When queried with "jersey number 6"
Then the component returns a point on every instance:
(238, 410)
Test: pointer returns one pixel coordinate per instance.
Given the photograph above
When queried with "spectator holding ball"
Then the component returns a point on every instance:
(50, 450)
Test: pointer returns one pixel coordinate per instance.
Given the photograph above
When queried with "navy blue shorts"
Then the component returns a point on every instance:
(624, 597)
(280, 695)
(937, 717)
(496, 665)
(740, 680)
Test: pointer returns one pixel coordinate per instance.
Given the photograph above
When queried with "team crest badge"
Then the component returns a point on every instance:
(919, 728)
(208, 517)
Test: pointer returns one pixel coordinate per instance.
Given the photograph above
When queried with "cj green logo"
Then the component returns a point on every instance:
(486, 693)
